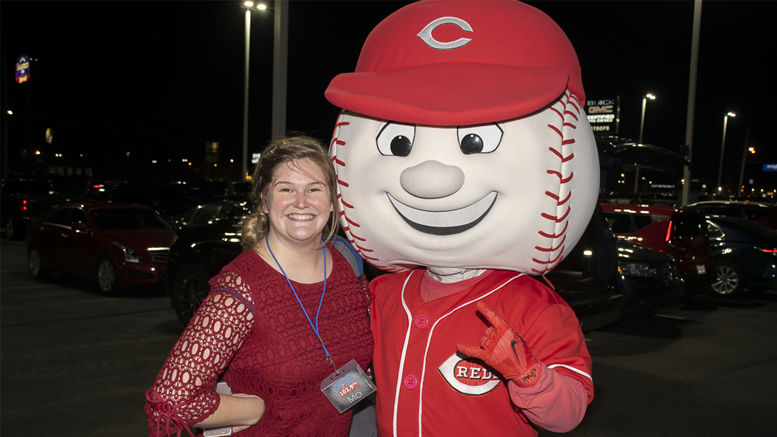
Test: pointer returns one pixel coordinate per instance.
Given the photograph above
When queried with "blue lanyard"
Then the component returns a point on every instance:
(315, 328)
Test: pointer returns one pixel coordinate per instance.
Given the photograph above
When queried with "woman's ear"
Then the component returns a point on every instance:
(263, 204)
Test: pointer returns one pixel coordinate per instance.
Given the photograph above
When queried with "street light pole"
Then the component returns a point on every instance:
(642, 122)
(280, 61)
(722, 148)
(744, 157)
(691, 113)
(245, 89)
(249, 5)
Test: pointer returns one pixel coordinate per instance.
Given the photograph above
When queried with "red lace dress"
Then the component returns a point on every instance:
(250, 332)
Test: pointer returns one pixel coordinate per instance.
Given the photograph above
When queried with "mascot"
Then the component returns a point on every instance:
(465, 165)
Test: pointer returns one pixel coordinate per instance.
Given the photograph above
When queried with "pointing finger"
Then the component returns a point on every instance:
(492, 317)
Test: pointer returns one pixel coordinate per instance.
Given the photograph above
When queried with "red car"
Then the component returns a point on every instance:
(681, 233)
(118, 245)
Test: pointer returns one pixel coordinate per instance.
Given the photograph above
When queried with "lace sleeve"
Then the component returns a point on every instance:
(183, 393)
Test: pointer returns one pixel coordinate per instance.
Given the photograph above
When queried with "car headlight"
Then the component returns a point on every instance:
(640, 270)
(129, 253)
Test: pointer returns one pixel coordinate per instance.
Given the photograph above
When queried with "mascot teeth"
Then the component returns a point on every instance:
(445, 222)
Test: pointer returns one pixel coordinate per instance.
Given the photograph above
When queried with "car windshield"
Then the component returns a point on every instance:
(752, 228)
(128, 220)
(242, 188)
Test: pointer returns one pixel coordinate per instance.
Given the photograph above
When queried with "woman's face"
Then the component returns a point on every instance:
(298, 205)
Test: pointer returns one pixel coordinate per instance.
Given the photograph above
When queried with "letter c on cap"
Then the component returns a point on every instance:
(426, 34)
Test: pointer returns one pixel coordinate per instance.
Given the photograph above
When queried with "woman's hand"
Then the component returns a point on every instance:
(260, 403)
(239, 410)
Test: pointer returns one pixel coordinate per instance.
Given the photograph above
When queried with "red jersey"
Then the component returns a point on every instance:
(425, 387)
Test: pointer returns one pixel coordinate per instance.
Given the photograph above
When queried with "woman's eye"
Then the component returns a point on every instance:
(479, 139)
(396, 139)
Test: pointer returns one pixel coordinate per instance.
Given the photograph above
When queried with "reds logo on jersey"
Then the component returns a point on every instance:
(468, 377)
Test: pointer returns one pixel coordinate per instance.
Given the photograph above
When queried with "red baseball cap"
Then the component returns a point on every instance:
(451, 63)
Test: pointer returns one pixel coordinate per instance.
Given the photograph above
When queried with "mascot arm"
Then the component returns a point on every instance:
(556, 402)
(550, 400)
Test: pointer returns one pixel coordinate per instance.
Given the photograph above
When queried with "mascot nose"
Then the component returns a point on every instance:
(432, 180)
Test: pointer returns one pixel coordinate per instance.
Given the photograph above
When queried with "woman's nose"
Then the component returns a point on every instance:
(301, 199)
(432, 180)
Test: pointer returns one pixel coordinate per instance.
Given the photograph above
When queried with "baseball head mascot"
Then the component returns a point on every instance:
(466, 164)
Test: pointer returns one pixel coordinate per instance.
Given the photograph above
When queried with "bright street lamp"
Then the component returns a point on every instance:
(723, 147)
(642, 123)
(249, 6)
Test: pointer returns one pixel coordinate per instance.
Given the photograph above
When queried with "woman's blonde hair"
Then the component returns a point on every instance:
(282, 152)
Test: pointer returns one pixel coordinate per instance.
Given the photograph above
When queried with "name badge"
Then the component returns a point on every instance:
(347, 387)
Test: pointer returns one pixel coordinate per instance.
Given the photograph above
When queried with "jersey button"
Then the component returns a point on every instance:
(410, 382)
(421, 321)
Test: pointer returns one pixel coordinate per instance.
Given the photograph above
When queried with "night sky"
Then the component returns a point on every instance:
(160, 79)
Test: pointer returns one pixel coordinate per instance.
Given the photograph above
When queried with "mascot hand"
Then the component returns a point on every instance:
(505, 351)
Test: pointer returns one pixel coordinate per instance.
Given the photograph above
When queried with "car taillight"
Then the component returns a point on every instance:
(668, 232)
(768, 250)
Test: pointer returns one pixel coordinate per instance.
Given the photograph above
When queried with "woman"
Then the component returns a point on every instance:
(258, 329)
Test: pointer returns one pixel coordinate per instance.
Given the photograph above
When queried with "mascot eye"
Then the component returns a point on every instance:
(396, 139)
(479, 139)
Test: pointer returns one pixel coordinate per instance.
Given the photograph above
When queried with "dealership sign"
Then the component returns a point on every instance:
(22, 69)
(604, 115)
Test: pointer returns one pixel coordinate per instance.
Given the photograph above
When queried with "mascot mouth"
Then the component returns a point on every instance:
(445, 222)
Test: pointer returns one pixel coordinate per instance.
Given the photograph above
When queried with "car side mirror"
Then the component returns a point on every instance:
(79, 227)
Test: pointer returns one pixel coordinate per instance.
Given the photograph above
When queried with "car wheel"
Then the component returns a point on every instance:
(35, 261)
(107, 276)
(731, 279)
(189, 289)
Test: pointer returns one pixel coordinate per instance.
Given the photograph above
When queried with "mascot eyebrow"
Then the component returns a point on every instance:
(397, 139)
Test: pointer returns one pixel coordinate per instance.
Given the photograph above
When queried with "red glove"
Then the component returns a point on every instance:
(505, 351)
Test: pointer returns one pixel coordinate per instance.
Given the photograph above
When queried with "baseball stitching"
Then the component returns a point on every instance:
(567, 109)
(350, 227)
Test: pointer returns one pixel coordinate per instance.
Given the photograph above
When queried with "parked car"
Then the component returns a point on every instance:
(586, 279)
(169, 200)
(745, 255)
(211, 213)
(23, 200)
(753, 211)
(199, 253)
(682, 233)
(117, 245)
(649, 280)
(215, 191)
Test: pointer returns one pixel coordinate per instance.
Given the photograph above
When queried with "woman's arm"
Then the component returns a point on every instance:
(239, 411)
(183, 394)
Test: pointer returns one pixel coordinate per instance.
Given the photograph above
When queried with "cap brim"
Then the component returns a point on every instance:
(445, 94)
